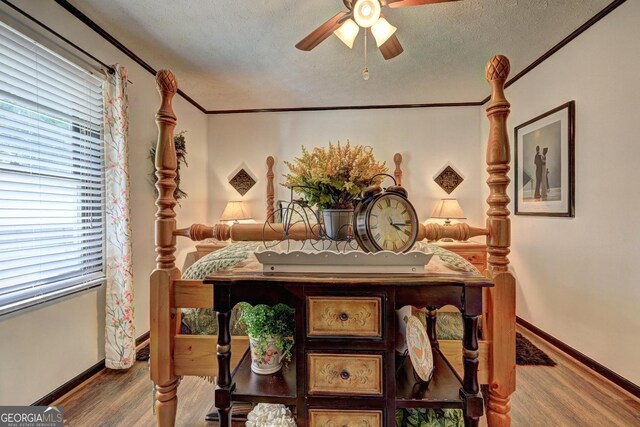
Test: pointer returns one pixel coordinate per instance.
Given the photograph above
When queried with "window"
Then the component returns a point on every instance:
(52, 220)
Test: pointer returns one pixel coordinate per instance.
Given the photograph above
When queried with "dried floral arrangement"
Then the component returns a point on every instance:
(181, 155)
(332, 177)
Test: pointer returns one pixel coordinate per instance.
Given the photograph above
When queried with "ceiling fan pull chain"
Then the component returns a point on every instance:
(365, 72)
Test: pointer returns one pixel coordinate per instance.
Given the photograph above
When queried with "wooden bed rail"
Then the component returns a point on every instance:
(259, 232)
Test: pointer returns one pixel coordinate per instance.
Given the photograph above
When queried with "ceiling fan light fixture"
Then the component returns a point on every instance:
(366, 12)
(347, 32)
(382, 30)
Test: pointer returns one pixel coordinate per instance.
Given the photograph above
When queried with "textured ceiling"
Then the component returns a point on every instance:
(240, 54)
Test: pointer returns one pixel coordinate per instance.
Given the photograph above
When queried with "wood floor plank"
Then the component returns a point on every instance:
(566, 395)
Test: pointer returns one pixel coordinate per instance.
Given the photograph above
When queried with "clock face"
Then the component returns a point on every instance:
(392, 223)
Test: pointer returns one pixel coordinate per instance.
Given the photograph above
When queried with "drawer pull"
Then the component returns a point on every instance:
(344, 375)
(344, 317)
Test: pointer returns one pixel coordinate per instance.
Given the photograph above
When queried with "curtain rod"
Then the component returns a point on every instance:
(109, 68)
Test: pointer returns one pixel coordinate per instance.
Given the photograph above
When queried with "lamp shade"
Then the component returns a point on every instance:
(235, 211)
(449, 209)
(347, 32)
(382, 30)
(366, 12)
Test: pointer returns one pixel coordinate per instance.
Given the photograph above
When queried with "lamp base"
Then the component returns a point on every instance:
(447, 223)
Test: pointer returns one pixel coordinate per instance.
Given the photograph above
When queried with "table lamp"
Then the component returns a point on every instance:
(235, 211)
(448, 209)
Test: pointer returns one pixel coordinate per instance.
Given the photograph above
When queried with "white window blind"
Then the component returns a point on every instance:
(51, 175)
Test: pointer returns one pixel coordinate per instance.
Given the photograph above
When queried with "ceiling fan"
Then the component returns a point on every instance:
(363, 14)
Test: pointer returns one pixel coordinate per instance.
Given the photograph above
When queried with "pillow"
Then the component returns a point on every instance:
(222, 259)
(453, 260)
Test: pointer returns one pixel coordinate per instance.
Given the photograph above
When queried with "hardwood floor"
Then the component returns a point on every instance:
(566, 395)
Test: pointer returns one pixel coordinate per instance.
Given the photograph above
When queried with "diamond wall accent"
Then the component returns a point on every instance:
(448, 179)
(242, 182)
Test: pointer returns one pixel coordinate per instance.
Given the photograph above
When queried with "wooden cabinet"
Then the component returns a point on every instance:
(345, 371)
(202, 249)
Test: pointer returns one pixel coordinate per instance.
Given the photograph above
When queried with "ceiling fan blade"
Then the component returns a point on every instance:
(405, 3)
(321, 33)
(391, 48)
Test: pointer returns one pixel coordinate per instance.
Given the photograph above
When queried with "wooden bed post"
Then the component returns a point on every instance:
(163, 317)
(501, 299)
(270, 190)
(397, 173)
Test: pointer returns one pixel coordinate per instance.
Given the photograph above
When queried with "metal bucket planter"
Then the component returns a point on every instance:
(337, 223)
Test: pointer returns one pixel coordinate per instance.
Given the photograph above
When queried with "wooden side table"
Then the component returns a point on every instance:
(474, 252)
(202, 249)
(345, 370)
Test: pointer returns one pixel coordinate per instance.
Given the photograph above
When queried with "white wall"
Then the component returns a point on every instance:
(577, 278)
(46, 346)
(427, 138)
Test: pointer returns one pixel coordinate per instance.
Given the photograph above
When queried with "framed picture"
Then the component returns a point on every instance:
(545, 163)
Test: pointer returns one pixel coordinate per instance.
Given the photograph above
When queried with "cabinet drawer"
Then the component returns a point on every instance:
(476, 259)
(346, 317)
(341, 418)
(344, 374)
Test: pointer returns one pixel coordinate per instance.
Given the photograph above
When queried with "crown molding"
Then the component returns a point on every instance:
(116, 43)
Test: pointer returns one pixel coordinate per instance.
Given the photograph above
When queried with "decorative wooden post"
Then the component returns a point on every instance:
(270, 190)
(397, 173)
(501, 315)
(162, 279)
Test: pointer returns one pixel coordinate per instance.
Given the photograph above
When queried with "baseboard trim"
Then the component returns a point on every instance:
(142, 338)
(79, 379)
(582, 358)
(70, 385)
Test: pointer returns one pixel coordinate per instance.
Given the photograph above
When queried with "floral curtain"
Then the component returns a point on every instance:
(120, 351)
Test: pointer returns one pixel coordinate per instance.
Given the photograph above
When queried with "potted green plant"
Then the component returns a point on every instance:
(331, 178)
(270, 331)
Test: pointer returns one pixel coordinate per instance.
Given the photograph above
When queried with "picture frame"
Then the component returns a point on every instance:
(545, 164)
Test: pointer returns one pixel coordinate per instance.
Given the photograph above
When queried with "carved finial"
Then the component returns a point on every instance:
(166, 81)
(497, 68)
(270, 162)
(397, 159)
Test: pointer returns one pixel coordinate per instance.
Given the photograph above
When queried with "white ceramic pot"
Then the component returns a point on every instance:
(265, 358)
